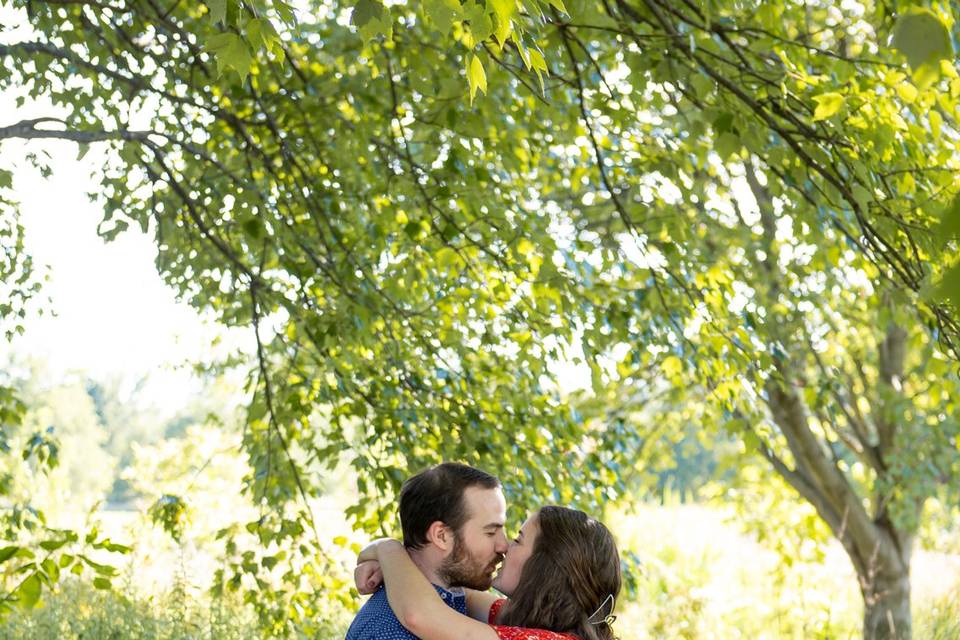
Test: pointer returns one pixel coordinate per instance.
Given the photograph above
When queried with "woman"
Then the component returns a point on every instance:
(561, 574)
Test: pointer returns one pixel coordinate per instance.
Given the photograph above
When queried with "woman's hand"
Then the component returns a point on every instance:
(368, 577)
(370, 551)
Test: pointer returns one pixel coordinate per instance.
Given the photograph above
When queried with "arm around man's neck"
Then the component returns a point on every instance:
(416, 603)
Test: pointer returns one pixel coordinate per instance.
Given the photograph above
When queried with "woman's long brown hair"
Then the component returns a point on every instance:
(573, 569)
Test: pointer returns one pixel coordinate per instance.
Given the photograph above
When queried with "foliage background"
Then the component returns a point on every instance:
(769, 256)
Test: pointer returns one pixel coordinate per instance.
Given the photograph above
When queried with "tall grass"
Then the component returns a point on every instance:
(699, 579)
(671, 607)
(78, 611)
(940, 619)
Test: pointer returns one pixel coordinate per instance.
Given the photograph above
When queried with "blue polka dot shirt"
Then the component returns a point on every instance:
(376, 620)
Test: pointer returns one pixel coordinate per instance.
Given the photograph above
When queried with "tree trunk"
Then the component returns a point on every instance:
(886, 599)
(879, 551)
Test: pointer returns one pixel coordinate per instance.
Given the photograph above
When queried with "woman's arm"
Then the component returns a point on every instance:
(416, 603)
(479, 603)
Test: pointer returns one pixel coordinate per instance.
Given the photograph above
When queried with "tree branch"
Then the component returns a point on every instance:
(27, 130)
(892, 353)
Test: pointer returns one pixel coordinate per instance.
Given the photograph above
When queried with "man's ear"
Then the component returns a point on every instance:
(441, 535)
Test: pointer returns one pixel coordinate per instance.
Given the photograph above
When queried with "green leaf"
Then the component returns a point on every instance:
(828, 104)
(727, 144)
(101, 583)
(862, 197)
(936, 121)
(447, 258)
(949, 286)
(28, 594)
(703, 85)
(218, 10)
(476, 77)
(949, 226)
(102, 569)
(365, 11)
(413, 229)
(8, 552)
(231, 53)
(254, 32)
(504, 10)
(558, 4)
(907, 92)
(371, 19)
(539, 66)
(926, 75)
(442, 13)
(672, 366)
(253, 228)
(285, 11)
(480, 24)
(922, 38)
(51, 569)
(723, 123)
(52, 545)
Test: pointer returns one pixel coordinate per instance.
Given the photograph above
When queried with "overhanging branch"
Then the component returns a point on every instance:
(27, 130)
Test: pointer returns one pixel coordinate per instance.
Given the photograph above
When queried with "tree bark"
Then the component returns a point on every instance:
(886, 598)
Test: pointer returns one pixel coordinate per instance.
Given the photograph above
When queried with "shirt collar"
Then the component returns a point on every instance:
(450, 595)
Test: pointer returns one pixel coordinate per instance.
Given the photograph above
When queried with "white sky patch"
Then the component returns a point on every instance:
(114, 316)
(644, 256)
(742, 296)
(693, 326)
(745, 200)
(16, 26)
(571, 373)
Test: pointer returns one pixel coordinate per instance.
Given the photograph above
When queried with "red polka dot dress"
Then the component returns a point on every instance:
(520, 633)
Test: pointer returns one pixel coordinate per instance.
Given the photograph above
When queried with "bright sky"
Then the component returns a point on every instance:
(114, 315)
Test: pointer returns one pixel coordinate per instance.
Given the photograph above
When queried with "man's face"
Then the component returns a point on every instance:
(480, 544)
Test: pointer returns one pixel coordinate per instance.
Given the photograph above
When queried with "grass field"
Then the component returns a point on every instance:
(702, 578)
(699, 578)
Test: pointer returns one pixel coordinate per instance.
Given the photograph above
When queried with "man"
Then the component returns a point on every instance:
(453, 519)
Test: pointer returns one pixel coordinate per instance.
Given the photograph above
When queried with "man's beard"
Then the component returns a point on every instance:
(462, 569)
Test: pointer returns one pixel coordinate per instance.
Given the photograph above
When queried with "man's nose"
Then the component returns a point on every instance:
(501, 546)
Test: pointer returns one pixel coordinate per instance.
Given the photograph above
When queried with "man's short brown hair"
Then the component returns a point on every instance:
(437, 494)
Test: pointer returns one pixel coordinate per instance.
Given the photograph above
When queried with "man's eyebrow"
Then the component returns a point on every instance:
(494, 525)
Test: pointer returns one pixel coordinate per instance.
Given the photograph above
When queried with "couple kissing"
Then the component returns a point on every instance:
(560, 573)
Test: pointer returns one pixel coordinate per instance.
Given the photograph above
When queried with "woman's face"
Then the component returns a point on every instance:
(518, 551)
